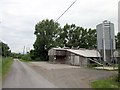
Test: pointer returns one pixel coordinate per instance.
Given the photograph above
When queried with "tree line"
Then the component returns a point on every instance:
(50, 34)
(4, 50)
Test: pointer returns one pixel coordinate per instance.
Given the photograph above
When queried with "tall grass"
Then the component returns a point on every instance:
(106, 83)
(6, 63)
(0, 68)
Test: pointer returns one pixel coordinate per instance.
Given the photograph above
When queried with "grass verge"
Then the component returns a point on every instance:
(6, 63)
(0, 68)
(106, 83)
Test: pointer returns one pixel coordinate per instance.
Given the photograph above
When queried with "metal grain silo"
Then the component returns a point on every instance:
(106, 40)
(119, 16)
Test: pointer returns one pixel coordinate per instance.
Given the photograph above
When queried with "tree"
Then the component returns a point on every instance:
(91, 39)
(118, 41)
(64, 37)
(46, 33)
(4, 49)
(78, 37)
(16, 55)
(49, 34)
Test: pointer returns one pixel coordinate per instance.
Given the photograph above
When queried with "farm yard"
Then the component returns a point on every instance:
(66, 76)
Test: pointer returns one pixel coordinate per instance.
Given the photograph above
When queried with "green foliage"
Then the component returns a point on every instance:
(118, 41)
(46, 33)
(49, 34)
(26, 57)
(78, 37)
(21, 56)
(16, 55)
(6, 63)
(106, 83)
(4, 50)
(0, 68)
(32, 54)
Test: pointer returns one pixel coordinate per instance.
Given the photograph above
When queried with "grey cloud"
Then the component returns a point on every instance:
(20, 16)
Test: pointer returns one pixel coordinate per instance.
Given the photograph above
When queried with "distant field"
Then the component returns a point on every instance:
(6, 63)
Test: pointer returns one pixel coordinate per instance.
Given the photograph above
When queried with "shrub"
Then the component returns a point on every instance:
(26, 57)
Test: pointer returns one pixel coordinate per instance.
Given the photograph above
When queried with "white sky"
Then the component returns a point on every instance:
(18, 17)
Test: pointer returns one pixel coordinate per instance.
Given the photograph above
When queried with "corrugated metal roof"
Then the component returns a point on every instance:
(82, 52)
(52, 51)
(59, 48)
(85, 52)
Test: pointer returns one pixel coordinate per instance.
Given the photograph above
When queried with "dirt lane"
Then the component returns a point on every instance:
(22, 76)
(64, 76)
(45, 75)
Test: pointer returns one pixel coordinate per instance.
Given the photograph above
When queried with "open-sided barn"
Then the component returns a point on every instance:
(79, 57)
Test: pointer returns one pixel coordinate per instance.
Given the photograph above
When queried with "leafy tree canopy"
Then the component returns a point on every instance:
(4, 49)
(49, 34)
(46, 33)
(118, 40)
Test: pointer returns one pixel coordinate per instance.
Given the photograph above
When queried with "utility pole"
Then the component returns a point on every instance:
(27, 49)
(24, 50)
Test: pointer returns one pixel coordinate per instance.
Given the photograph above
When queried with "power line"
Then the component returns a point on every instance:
(66, 10)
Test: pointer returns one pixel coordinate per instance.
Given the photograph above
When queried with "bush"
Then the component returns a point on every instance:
(26, 57)
(38, 59)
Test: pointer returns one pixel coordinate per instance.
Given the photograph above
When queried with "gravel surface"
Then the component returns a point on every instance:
(23, 76)
(45, 75)
(64, 76)
(48, 66)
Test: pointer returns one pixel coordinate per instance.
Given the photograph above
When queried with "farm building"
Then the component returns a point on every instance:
(79, 57)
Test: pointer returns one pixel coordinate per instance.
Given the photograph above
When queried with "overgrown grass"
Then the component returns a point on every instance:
(6, 63)
(0, 68)
(106, 83)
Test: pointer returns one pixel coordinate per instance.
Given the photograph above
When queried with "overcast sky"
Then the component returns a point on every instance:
(18, 17)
